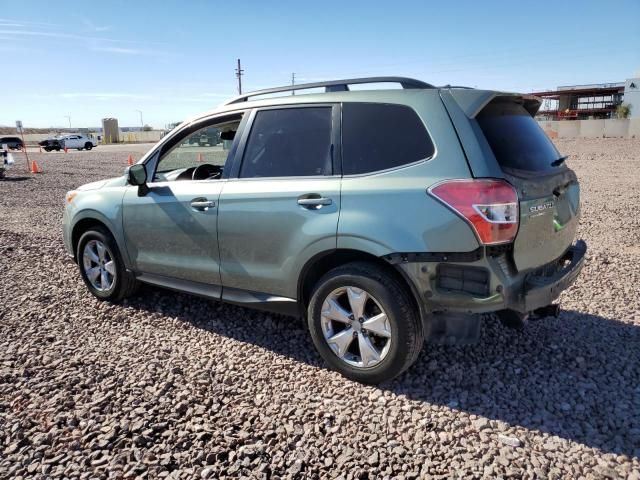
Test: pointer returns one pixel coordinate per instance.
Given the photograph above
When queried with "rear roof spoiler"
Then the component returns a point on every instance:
(473, 101)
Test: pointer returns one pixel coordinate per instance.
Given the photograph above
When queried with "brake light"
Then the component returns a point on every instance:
(490, 206)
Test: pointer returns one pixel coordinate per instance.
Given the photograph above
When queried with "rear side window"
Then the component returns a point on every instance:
(378, 136)
(516, 139)
(290, 142)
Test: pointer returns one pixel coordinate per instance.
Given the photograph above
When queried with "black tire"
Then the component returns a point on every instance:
(47, 149)
(88, 146)
(80, 149)
(407, 336)
(58, 149)
(125, 283)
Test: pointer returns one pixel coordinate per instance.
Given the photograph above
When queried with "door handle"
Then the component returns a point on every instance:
(314, 202)
(202, 204)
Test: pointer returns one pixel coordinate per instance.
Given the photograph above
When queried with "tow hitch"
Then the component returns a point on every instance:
(514, 319)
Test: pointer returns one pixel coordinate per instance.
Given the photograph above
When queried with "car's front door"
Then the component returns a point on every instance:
(171, 231)
(281, 206)
(71, 141)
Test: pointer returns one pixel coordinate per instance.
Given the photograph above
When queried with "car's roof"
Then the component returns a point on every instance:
(469, 98)
(335, 91)
(407, 97)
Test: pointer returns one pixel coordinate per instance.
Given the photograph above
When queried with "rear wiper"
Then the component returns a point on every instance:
(560, 161)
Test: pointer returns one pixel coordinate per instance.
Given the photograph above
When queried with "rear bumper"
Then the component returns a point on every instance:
(504, 287)
(540, 290)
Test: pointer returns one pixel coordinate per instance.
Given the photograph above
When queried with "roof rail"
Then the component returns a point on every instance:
(457, 86)
(334, 86)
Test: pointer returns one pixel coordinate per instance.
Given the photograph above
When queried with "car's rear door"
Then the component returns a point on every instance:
(281, 206)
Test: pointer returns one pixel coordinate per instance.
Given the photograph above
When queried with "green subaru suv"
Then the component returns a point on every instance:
(384, 217)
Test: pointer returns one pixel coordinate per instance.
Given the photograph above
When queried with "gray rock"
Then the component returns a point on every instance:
(480, 423)
(511, 441)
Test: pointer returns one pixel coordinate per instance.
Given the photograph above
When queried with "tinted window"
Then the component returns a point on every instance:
(516, 139)
(378, 136)
(289, 142)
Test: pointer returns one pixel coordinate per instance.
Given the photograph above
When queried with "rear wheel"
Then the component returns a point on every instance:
(88, 146)
(364, 324)
(101, 266)
(47, 149)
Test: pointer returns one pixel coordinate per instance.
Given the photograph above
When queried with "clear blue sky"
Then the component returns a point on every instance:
(172, 59)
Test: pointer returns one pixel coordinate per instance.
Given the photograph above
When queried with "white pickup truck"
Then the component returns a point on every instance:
(78, 140)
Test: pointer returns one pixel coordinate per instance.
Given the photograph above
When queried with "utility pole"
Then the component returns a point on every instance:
(68, 118)
(293, 82)
(141, 122)
(239, 73)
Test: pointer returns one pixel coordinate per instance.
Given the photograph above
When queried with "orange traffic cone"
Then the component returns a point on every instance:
(130, 160)
(34, 167)
(200, 157)
(66, 149)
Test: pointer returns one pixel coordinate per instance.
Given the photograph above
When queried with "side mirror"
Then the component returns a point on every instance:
(137, 175)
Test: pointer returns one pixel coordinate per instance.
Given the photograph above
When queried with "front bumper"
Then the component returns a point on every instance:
(66, 232)
(506, 288)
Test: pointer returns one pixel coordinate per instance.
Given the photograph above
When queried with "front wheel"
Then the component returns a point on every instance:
(88, 146)
(364, 324)
(102, 268)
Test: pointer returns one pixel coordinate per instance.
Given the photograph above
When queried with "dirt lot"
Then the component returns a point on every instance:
(167, 385)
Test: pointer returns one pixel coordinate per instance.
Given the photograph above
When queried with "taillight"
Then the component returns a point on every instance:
(490, 206)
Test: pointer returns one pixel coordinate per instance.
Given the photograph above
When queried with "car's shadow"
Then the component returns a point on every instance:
(561, 376)
(14, 179)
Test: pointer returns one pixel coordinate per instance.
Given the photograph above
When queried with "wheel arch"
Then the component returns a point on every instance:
(92, 218)
(321, 263)
(82, 226)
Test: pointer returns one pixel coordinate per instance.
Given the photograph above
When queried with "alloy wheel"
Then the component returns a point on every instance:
(356, 327)
(99, 266)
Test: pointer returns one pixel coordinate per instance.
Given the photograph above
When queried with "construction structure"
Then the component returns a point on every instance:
(583, 102)
(110, 130)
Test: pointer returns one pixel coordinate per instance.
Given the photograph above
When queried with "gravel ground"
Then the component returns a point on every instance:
(168, 385)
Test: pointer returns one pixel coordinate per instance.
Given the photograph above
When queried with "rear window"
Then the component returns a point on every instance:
(516, 139)
(379, 136)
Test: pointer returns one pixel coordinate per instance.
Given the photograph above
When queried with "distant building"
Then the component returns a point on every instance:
(110, 132)
(581, 102)
(632, 96)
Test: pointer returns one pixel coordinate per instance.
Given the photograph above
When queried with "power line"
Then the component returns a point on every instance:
(239, 73)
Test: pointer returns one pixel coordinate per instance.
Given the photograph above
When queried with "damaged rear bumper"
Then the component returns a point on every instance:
(540, 290)
(489, 282)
